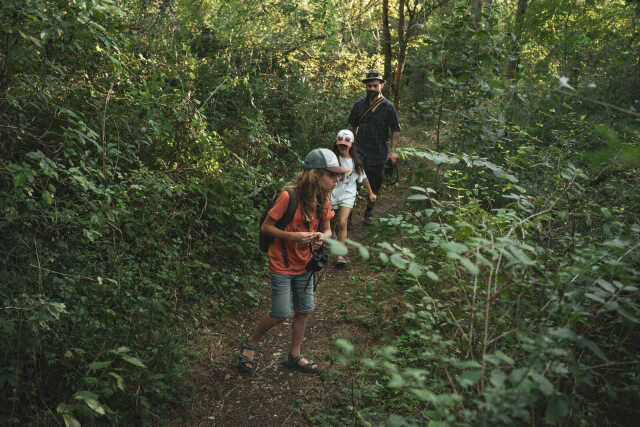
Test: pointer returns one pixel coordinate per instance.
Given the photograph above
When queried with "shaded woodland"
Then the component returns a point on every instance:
(140, 141)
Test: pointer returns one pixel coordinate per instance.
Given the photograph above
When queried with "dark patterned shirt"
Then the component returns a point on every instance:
(374, 131)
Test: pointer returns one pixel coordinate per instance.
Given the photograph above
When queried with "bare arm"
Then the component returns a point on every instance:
(395, 138)
(304, 237)
(326, 234)
(372, 195)
(326, 226)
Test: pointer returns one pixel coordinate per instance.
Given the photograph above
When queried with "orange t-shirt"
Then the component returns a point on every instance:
(297, 254)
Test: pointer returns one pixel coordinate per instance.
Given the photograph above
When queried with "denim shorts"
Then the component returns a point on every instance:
(281, 287)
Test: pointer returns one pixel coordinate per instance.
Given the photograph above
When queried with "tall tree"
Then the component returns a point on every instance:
(411, 15)
(476, 9)
(386, 42)
(517, 30)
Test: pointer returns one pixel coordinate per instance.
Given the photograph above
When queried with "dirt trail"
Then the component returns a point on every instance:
(275, 396)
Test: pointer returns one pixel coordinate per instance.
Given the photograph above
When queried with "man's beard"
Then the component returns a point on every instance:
(372, 94)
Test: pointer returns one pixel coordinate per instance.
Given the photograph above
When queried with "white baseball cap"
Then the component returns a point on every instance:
(347, 137)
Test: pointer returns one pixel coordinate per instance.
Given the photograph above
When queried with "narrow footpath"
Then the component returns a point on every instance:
(275, 396)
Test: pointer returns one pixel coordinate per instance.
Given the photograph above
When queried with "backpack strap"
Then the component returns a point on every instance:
(319, 216)
(367, 111)
(286, 219)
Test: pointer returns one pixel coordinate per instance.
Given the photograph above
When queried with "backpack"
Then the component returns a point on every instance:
(264, 239)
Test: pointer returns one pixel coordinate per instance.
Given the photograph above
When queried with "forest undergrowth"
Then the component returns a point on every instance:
(140, 141)
(351, 303)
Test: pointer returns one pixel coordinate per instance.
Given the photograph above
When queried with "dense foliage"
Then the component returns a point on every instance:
(520, 246)
(139, 140)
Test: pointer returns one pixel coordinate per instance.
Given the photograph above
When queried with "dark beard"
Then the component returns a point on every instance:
(372, 94)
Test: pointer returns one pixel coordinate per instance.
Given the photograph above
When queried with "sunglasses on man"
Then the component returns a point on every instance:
(344, 138)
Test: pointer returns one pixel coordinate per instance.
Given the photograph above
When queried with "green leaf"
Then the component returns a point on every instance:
(369, 363)
(433, 276)
(396, 381)
(557, 409)
(595, 297)
(120, 350)
(492, 358)
(18, 180)
(500, 355)
(133, 360)
(91, 400)
(384, 257)
(387, 246)
(344, 346)
(31, 38)
(545, 385)
(424, 395)
(336, 247)
(414, 269)
(398, 261)
(471, 267)
(521, 256)
(70, 421)
(454, 247)
(47, 197)
(564, 333)
(469, 378)
(466, 263)
(585, 343)
(498, 378)
(393, 421)
(606, 286)
(119, 380)
(517, 375)
(364, 252)
(99, 365)
(418, 197)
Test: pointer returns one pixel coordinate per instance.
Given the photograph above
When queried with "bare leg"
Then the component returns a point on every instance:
(266, 323)
(343, 218)
(297, 334)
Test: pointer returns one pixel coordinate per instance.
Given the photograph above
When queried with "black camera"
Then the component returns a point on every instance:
(391, 172)
(318, 260)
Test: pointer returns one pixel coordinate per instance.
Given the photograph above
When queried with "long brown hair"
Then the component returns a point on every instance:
(307, 188)
(358, 166)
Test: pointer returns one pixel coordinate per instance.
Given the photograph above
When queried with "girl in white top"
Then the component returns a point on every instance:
(344, 194)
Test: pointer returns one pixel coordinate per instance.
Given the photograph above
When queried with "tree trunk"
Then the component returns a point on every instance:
(476, 10)
(397, 77)
(402, 54)
(515, 51)
(406, 31)
(386, 46)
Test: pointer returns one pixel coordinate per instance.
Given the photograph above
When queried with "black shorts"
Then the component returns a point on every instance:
(375, 174)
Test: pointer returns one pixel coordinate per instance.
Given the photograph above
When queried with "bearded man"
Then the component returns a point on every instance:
(373, 119)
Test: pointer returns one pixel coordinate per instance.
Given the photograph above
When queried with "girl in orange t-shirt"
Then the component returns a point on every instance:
(313, 187)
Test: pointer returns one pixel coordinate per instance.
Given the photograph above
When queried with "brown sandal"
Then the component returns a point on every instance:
(243, 360)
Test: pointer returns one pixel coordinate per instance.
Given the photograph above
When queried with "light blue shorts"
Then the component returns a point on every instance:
(281, 287)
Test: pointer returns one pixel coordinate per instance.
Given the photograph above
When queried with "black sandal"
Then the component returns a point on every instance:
(292, 363)
(243, 360)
